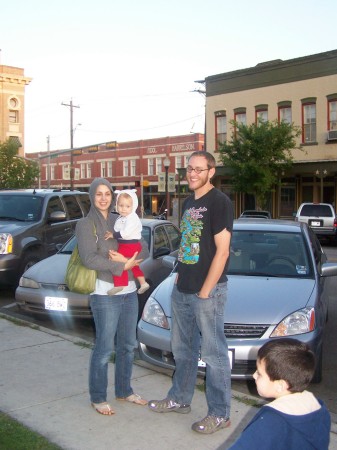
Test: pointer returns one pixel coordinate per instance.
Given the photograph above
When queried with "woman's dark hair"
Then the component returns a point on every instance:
(290, 360)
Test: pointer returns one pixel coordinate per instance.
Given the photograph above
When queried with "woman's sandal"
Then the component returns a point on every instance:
(134, 398)
(103, 408)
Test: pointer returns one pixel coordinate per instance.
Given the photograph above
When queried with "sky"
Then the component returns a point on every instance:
(130, 67)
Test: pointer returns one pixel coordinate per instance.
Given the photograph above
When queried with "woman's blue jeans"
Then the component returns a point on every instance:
(199, 323)
(115, 321)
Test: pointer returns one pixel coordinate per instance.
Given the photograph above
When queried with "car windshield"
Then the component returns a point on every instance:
(275, 254)
(23, 208)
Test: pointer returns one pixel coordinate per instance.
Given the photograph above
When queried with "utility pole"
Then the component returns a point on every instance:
(71, 106)
(48, 162)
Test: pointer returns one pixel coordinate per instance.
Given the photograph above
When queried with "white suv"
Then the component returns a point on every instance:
(320, 217)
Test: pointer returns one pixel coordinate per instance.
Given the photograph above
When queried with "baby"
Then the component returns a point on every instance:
(127, 231)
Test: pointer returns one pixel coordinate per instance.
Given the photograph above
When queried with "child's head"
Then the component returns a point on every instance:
(127, 202)
(124, 204)
(283, 365)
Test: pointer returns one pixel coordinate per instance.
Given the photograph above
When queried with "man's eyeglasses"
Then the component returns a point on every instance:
(196, 170)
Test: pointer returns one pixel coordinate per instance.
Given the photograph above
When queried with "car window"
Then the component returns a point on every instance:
(72, 206)
(174, 236)
(54, 204)
(85, 203)
(146, 235)
(269, 253)
(316, 211)
(160, 239)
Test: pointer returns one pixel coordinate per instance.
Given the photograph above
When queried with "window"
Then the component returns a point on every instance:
(220, 127)
(240, 118)
(308, 121)
(158, 166)
(332, 114)
(103, 171)
(54, 204)
(109, 169)
(284, 113)
(150, 166)
(52, 172)
(261, 114)
(73, 208)
(178, 162)
(13, 116)
(125, 168)
(133, 167)
(88, 170)
(66, 172)
(82, 166)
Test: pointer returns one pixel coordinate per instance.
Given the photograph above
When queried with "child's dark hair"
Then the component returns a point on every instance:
(290, 360)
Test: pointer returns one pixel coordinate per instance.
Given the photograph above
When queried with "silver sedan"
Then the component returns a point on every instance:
(42, 289)
(278, 285)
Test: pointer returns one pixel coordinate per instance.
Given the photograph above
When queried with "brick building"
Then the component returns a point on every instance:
(131, 164)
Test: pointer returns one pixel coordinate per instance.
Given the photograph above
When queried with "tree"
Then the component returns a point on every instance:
(257, 155)
(15, 171)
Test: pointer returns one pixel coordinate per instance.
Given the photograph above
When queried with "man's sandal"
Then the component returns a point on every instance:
(103, 408)
(134, 398)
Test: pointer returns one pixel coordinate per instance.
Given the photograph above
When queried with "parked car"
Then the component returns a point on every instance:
(321, 217)
(255, 214)
(278, 285)
(32, 223)
(42, 289)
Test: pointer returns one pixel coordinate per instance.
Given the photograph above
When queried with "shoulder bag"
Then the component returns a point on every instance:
(78, 277)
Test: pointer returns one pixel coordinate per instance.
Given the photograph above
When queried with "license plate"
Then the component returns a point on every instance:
(56, 303)
(201, 363)
(315, 223)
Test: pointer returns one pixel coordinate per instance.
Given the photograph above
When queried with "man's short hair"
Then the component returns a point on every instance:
(211, 163)
(290, 360)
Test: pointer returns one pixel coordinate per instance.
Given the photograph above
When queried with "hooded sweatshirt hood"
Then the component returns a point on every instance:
(133, 195)
(94, 212)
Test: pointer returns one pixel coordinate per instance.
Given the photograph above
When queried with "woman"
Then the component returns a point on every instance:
(115, 316)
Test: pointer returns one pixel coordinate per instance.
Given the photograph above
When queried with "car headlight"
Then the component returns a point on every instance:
(153, 313)
(299, 322)
(6, 243)
(28, 283)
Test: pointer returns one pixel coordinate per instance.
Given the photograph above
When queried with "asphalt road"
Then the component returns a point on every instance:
(326, 390)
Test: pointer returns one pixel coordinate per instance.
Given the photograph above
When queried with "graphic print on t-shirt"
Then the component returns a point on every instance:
(191, 227)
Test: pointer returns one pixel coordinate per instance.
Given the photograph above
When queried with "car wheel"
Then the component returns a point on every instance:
(28, 261)
(317, 378)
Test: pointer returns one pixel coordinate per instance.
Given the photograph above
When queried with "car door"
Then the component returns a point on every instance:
(56, 231)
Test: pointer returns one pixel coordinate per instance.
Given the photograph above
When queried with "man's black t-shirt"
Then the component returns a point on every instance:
(202, 219)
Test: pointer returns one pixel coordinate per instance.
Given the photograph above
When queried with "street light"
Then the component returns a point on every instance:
(166, 163)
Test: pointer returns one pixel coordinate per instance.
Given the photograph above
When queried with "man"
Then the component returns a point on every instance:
(199, 297)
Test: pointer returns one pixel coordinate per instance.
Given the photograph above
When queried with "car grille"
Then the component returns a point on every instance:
(244, 331)
(55, 287)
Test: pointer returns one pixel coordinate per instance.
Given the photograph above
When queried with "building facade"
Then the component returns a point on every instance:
(12, 105)
(151, 166)
(302, 91)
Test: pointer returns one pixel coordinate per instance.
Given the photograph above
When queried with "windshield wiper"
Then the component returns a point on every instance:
(11, 218)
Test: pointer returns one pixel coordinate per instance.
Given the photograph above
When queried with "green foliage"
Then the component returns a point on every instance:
(257, 155)
(16, 172)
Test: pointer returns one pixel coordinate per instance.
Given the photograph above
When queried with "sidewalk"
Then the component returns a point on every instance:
(43, 384)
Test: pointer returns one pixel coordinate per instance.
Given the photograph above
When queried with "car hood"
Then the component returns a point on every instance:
(51, 270)
(13, 227)
(259, 300)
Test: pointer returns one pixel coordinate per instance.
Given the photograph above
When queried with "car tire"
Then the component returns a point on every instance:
(29, 259)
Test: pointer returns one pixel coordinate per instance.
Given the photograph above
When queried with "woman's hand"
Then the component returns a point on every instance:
(129, 263)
